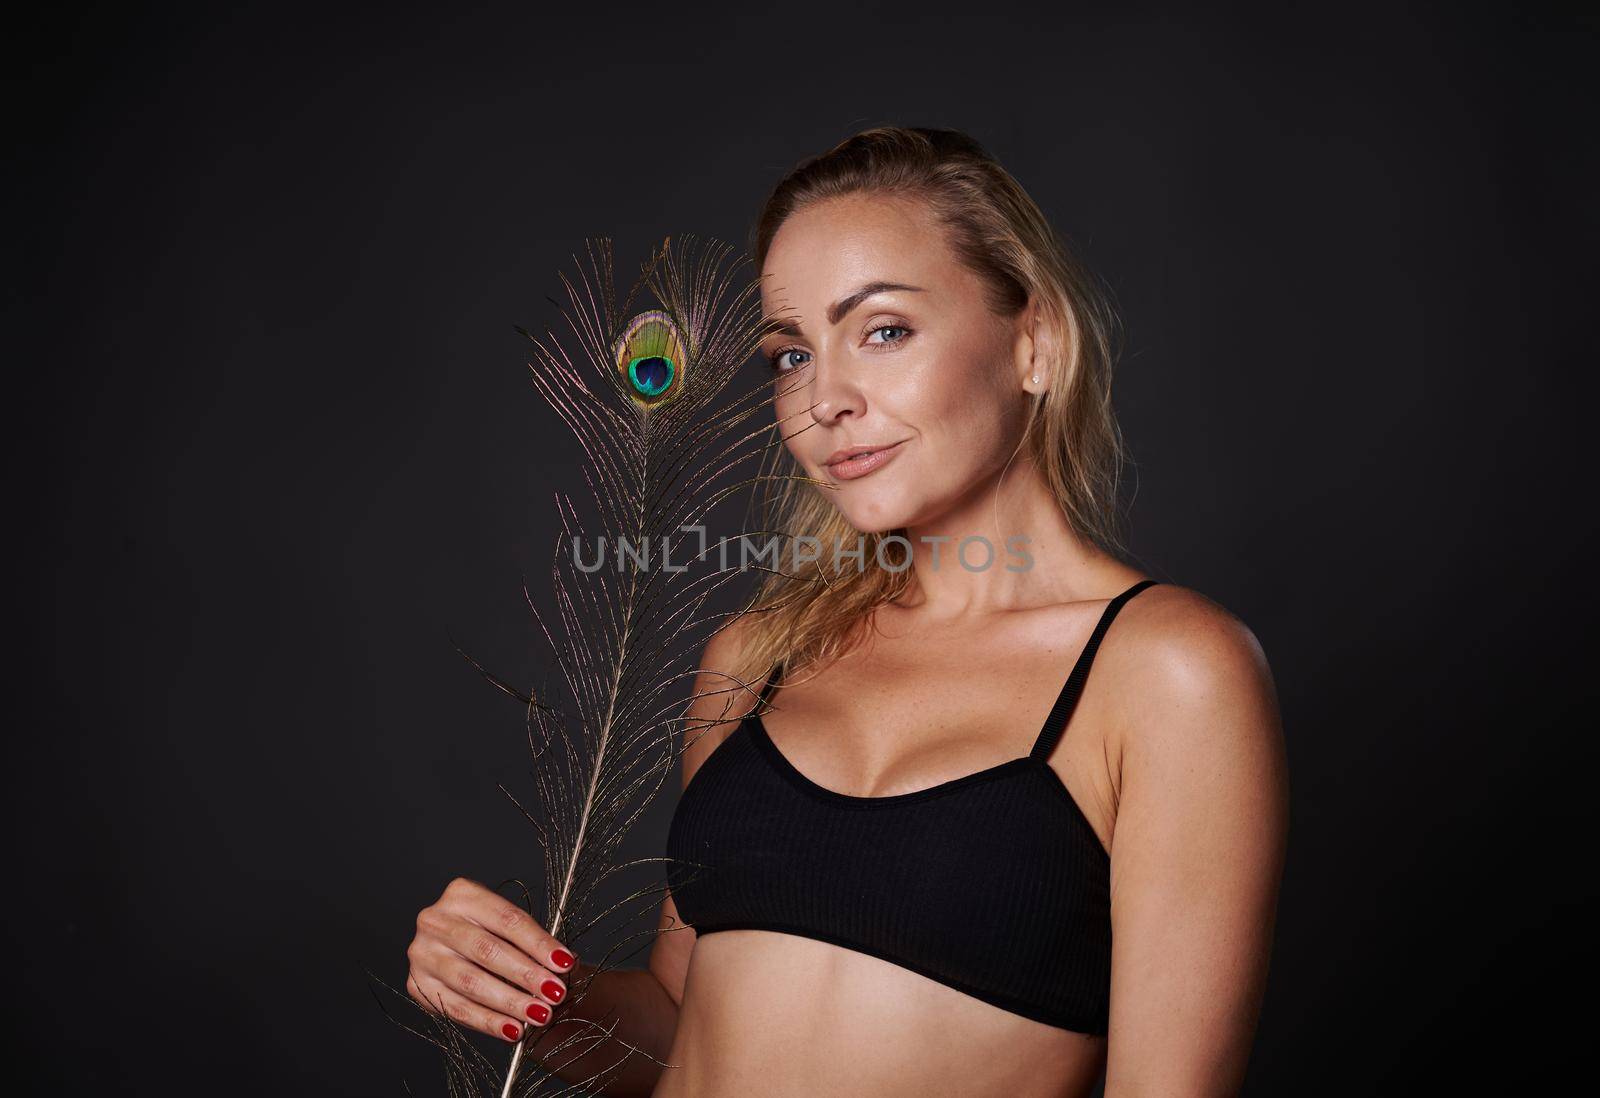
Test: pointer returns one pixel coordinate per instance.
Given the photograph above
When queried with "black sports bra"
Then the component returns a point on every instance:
(993, 883)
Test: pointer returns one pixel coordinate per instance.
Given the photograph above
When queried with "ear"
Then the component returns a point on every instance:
(1036, 348)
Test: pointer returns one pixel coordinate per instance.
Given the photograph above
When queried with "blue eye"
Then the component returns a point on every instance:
(777, 357)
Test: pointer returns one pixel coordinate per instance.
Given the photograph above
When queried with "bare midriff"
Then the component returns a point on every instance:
(782, 1015)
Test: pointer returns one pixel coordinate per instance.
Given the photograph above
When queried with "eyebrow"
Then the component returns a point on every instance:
(841, 308)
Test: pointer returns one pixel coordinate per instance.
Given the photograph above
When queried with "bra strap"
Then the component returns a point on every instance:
(1056, 723)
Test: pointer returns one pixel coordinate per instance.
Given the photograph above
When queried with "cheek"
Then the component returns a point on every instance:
(956, 402)
(789, 405)
(795, 445)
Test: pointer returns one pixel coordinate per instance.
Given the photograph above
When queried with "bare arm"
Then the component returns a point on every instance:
(1197, 855)
(644, 1005)
(638, 1010)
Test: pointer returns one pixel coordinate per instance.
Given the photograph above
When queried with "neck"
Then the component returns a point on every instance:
(1007, 547)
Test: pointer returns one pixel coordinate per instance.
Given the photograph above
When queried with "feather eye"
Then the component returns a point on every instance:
(652, 357)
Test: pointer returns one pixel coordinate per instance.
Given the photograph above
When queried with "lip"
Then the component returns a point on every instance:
(858, 461)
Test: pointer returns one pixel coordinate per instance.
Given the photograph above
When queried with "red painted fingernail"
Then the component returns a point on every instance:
(539, 1012)
(511, 1031)
(561, 958)
(552, 991)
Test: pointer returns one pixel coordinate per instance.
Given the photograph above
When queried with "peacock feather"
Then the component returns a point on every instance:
(647, 391)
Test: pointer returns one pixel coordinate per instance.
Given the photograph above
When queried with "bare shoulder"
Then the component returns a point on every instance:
(1179, 632)
(1190, 676)
(720, 700)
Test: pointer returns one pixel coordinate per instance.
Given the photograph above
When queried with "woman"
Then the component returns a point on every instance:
(946, 859)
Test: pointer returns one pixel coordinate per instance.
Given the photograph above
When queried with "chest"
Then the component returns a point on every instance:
(916, 706)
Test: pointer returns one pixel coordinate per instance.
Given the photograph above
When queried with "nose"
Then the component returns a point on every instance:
(833, 392)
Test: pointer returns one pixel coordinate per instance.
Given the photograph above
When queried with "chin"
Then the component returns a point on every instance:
(874, 510)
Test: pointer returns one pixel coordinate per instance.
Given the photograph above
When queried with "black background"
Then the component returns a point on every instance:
(275, 446)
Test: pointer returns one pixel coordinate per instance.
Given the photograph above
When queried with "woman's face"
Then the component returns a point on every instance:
(922, 369)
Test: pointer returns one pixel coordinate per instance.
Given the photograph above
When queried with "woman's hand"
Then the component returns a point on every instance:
(482, 960)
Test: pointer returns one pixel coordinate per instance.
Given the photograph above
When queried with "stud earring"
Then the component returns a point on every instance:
(1036, 377)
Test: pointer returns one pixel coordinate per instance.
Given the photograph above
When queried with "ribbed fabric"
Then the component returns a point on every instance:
(993, 883)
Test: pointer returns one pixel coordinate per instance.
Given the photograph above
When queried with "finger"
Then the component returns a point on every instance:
(488, 950)
(441, 1000)
(439, 966)
(494, 912)
(483, 988)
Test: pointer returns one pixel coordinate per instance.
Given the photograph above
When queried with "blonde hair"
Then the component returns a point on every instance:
(803, 617)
